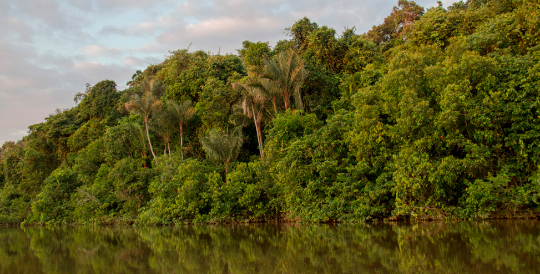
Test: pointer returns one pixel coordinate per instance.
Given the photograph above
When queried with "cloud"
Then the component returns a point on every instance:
(132, 61)
(50, 49)
(141, 29)
(93, 72)
(223, 25)
(97, 50)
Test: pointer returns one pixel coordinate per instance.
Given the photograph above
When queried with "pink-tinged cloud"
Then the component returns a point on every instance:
(50, 49)
(97, 50)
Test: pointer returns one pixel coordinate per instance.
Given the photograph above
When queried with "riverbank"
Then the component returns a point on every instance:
(425, 215)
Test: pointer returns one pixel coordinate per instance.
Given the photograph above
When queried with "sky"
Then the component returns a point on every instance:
(50, 49)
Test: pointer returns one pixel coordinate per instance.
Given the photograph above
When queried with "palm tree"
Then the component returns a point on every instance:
(181, 113)
(136, 132)
(162, 125)
(254, 106)
(154, 86)
(271, 89)
(286, 75)
(223, 147)
(145, 102)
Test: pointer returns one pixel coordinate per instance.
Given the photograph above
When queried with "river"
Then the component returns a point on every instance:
(509, 246)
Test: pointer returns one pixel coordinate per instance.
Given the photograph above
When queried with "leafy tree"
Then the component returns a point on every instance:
(254, 105)
(88, 161)
(300, 32)
(52, 204)
(286, 74)
(128, 139)
(85, 134)
(146, 102)
(180, 192)
(223, 147)
(98, 101)
(186, 74)
(216, 102)
(397, 24)
(58, 128)
(162, 124)
(182, 114)
(254, 54)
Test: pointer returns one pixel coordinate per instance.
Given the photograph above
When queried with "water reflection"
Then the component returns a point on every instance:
(484, 247)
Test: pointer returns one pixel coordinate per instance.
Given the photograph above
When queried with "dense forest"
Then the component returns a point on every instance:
(432, 114)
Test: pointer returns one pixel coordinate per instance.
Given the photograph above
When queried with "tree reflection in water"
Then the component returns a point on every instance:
(471, 247)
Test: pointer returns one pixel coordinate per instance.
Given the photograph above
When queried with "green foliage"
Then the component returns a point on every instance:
(127, 139)
(192, 191)
(85, 134)
(11, 158)
(52, 203)
(289, 126)
(360, 54)
(325, 57)
(251, 192)
(14, 205)
(428, 115)
(286, 75)
(117, 193)
(98, 101)
(215, 105)
(146, 102)
(180, 192)
(185, 73)
(313, 166)
(300, 32)
(58, 128)
(254, 54)
(88, 161)
(223, 147)
(396, 25)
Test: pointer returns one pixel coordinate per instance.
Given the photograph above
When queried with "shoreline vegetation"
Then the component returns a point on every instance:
(434, 114)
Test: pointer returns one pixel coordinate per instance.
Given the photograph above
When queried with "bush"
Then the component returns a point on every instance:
(52, 203)
(116, 195)
(180, 194)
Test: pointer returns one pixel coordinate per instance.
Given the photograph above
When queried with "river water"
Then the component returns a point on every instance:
(434, 247)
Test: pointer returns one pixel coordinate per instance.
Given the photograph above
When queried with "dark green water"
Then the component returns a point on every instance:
(476, 247)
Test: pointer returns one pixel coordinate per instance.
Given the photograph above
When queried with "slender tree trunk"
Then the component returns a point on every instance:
(286, 99)
(259, 138)
(258, 129)
(165, 146)
(226, 172)
(148, 136)
(169, 146)
(181, 141)
(300, 103)
(274, 103)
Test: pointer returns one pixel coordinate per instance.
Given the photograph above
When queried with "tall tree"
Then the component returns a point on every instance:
(98, 101)
(286, 75)
(223, 147)
(181, 113)
(300, 33)
(254, 54)
(397, 23)
(254, 101)
(145, 102)
(162, 124)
